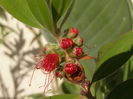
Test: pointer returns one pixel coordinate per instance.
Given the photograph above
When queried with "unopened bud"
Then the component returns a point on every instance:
(70, 68)
(73, 33)
(78, 52)
(78, 41)
(58, 74)
(51, 47)
(66, 43)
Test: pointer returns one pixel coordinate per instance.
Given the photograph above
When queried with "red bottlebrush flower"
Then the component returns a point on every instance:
(73, 32)
(78, 51)
(66, 43)
(49, 63)
(70, 68)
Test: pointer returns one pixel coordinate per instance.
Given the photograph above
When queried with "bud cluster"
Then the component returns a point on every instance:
(72, 43)
(62, 57)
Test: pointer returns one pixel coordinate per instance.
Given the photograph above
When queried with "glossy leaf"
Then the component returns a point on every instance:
(128, 70)
(131, 9)
(99, 22)
(122, 91)
(40, 10)
(118, 54)
(49, 37)
(20, 10)
(2, 14)
(36, 96)
(62, 96)
(70, 88)
(59, 7)
(65, 17)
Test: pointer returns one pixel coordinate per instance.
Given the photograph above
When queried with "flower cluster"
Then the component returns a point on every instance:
(49, 63)
(62, 57)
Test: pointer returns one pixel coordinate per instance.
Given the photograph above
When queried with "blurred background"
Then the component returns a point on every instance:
(17, 51)
(99, 22)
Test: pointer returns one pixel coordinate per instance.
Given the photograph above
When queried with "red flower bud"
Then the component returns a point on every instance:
(49, 63)
(78, 51)
(70, 68)
(66, 43)
(58, 74)
(37, 67)
(73, 32)
(77, 77)
(45, 49)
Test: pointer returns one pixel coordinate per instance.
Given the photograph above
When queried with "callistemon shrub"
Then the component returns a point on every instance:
(62, 58)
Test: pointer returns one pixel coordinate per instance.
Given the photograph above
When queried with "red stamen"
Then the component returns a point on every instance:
(48, 84)
(32, 77)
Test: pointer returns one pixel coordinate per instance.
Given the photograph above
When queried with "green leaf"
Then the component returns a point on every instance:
(40, 10)
(2, 13)
(118, 54)
(49, 37)
(62, 96)
(99, 22)
(65, 96)
(131, 9)
(36, 96)
(65, 17)
(122, 91)
(20, 10)
(128, 70)
(70, 88)
(59, 7)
